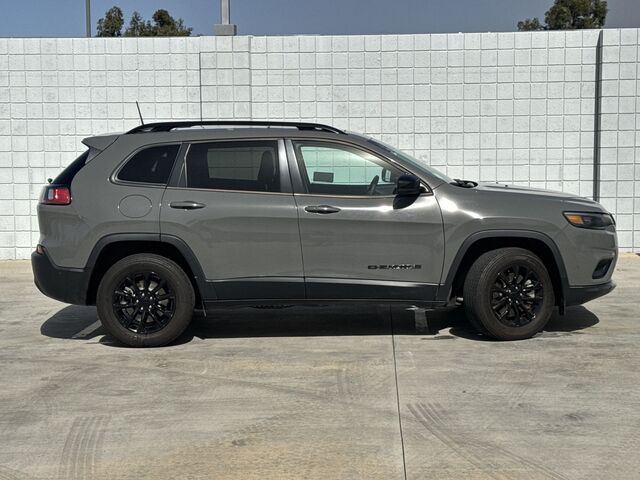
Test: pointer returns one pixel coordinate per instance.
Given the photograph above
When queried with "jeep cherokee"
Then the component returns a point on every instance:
(150, 224)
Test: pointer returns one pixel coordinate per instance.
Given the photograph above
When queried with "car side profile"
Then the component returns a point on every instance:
(168, 217)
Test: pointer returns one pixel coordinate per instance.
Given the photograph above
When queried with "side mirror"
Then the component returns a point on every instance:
(408, 185)
(386, 175)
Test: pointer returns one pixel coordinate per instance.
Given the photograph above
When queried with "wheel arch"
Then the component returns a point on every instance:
(481, 242)
(112, 248)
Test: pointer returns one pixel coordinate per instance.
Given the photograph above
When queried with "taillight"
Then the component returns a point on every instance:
(52, 195)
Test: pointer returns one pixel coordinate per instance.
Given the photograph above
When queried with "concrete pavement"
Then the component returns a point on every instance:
(310, 392)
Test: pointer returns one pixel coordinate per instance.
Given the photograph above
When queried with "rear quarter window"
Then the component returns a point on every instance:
(66, 176)
(151, 165)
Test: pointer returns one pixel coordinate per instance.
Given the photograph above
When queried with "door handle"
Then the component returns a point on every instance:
(322, 209)
(187, 205)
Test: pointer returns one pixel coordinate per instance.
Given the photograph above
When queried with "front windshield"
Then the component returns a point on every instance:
(406, 158)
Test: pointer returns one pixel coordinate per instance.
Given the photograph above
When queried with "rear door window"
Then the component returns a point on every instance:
(239, 165)
(151, 165)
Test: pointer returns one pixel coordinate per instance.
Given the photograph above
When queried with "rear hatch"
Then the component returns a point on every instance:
(57, 216)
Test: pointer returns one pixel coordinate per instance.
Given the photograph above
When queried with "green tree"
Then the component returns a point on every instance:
(530, 24)
(163, 25)
(569, 15)
(167, 26)
(111, 24)
(138, 27)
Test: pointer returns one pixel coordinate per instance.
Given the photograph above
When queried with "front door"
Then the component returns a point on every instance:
(234, 208)
(359, 240)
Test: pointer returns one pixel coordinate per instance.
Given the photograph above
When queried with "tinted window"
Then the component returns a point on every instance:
(151, 165)
(243, 165)
(335, 169)
(66, 176)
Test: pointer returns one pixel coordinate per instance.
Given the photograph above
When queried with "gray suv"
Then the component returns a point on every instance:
(168, 217)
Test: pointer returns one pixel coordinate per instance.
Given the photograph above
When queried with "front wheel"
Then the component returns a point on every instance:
(145, 300)
(508, 294)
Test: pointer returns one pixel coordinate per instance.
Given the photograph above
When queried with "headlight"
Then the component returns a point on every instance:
(589, 220)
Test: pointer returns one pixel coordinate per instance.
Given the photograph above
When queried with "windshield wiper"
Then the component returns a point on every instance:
(464, 183)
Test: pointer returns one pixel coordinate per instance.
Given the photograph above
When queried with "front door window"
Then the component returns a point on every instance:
(335, 169)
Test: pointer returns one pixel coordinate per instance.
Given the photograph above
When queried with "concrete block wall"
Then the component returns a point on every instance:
(620, 133)
(507, 107)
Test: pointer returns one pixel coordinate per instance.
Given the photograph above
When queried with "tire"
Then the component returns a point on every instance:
(145, 300)
(508, 294)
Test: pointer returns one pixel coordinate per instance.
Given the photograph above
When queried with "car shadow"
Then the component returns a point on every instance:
(72, 322)
(79, 323)
(573, 321)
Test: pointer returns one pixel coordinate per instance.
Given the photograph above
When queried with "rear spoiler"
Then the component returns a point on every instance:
(100, 142)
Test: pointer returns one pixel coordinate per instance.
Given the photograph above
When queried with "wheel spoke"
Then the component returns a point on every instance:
(516, 272)
(504, 313)
(527, 312)
(499, 304)
(498, 288)
(121, 306)
(153, 317)
(130, 283)
(159, 285)
(130, 318)
(142, 326)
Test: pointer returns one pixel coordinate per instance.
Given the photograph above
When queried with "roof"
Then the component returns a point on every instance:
(171, 126)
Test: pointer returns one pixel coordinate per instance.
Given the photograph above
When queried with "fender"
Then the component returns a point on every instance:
(207, 290)
(445, 288)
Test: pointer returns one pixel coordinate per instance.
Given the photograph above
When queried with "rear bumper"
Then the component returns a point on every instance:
(580, 295)
(68, 285)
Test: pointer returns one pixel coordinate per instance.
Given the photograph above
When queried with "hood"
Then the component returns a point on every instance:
(572, 199)
(511, 189)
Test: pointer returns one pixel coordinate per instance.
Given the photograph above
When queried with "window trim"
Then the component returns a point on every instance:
(301, 187)
(178, 178)
(114, 176)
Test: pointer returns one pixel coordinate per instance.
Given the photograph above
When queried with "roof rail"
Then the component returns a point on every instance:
(168, 126)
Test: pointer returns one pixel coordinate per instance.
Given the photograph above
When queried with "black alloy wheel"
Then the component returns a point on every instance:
(516, 296)
(508, 294)
(144, 302)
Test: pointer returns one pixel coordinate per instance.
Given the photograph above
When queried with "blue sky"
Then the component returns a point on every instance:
(65, 18)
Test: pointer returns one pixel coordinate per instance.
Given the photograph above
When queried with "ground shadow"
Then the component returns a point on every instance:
(75, 322)
(71, 322)
(574, 320)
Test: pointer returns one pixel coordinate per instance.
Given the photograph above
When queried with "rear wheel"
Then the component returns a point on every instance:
(508, 294)
(145, 300)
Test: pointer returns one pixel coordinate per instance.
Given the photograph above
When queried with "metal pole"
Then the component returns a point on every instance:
(88, 17)
(225, 14)
(597, 120)
(225, 27)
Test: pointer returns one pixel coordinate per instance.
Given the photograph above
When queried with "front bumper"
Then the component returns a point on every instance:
(68, 285)
(580, 295)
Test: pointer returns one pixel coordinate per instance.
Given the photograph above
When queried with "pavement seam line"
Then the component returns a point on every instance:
(85, 332)
(395, 372)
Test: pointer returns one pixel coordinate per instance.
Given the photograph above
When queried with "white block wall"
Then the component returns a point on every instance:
(508, 107)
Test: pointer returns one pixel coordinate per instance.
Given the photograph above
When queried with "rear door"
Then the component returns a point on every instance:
(359, 240)
(233, 205)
